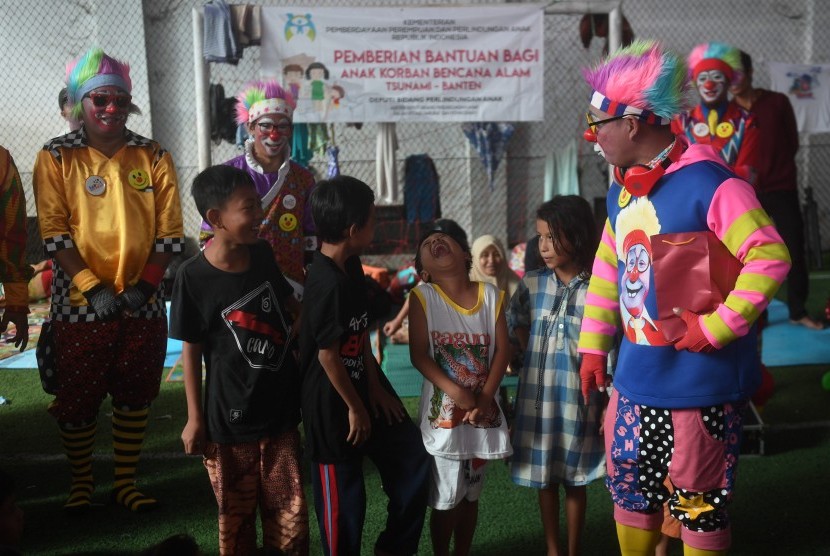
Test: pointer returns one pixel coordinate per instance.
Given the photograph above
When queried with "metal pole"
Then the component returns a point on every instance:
(202, 79)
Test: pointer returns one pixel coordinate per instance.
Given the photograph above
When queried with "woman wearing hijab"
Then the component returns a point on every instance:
(490, 265)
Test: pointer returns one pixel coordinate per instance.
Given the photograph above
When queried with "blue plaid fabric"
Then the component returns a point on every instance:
(556, 438)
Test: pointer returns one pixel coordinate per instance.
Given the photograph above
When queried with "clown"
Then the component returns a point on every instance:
(284, 185)
(717, 121)
(669, 400)
(110, 217)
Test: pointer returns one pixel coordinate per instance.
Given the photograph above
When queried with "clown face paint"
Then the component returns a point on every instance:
(271, 136)
(636, 279)
(110, 120)
(712, 86)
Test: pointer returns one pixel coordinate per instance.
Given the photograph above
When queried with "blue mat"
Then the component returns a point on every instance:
(786, 344)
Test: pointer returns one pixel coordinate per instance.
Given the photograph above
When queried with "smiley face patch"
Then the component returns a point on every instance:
(724, 130)
(138, 179)
(287, 222)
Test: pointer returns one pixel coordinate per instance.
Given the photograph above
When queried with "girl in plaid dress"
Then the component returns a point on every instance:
(556, 436)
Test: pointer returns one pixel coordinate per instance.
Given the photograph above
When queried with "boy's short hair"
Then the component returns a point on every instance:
(337, 204)
(214, 185)
(451, 229)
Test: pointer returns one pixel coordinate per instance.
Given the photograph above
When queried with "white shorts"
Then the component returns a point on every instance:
(455, 480)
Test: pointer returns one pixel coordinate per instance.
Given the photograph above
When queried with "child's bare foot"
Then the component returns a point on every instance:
(807, 321)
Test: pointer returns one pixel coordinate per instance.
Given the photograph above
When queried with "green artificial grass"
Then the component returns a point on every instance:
(770, 516)
(778, 506)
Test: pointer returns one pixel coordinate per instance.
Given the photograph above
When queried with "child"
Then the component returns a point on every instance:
(458, 341)
(342, 385)
(395, 327)
(231, 303)
(556, 435)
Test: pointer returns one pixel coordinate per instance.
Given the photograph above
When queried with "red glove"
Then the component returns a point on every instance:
(592, 373)
(694, 340)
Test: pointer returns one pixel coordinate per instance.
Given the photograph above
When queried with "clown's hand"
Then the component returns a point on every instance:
(135, 297)
(694, 340)
(592, 374)
(103, 302)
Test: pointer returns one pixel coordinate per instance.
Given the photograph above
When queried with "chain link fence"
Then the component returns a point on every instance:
(156, 37)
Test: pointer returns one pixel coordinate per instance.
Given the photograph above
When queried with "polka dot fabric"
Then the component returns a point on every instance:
(696, 448)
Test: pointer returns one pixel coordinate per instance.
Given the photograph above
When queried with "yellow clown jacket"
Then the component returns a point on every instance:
(115, 211)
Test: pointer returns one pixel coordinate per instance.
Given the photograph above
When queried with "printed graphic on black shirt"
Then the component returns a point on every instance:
(259, 328)
(351, 351)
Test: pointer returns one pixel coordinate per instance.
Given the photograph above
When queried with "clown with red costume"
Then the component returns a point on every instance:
(718, 121)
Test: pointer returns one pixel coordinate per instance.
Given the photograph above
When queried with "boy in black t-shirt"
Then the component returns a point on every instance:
(342, 385)
(231, 304)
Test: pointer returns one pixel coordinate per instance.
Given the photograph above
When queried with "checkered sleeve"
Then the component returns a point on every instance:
(169, 225)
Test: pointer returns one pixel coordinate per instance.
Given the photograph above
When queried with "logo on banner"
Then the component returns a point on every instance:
(300, 25)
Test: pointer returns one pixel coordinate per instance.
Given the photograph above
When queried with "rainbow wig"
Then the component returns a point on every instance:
(92, 70)
(641, 80)
(716, 56)
(263, 97)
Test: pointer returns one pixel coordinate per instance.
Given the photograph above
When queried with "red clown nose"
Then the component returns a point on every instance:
(590, 135)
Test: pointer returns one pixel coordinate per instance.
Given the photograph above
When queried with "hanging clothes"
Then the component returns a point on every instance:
(247, 24)
(220, 44)
(332, 164)
(421, 190)
(241, 136)
(386, 170)
(318, 138)
(299, 145)
(561, 172)
(332, 152)
(489, 139)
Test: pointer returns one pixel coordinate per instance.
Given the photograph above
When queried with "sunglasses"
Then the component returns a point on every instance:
(101, 100)
(593, 122)
(266, 127)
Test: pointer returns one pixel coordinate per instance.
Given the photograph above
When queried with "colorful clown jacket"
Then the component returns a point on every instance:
(13, 267)
(114, 211)
(729, 129)
(697, 193)
(288, 225)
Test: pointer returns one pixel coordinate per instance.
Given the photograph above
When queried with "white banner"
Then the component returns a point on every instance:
(447, 64)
